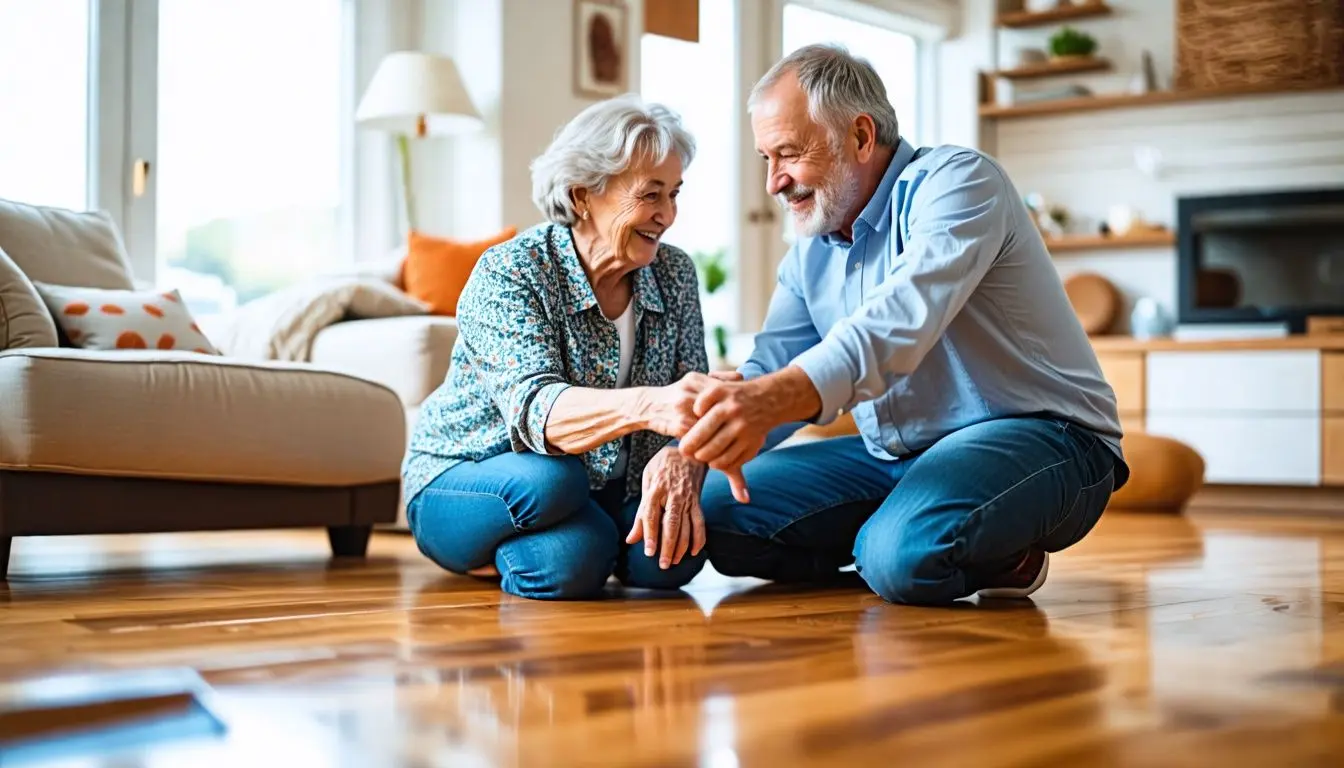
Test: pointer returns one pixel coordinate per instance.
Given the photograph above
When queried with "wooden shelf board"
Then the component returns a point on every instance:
(1022, 19)
(1055, 68)
(1114, 344)
(1072, 243)
(1121, 101)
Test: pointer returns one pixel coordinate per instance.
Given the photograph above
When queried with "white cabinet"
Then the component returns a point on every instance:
(1249, 450)
(1255, 416)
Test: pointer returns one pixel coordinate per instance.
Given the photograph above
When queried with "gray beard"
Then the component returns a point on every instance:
(830, 202)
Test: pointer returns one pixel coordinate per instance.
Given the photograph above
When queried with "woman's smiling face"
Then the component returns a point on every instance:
(636, 208)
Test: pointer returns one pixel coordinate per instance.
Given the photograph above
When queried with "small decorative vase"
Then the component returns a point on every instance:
(1149, 320)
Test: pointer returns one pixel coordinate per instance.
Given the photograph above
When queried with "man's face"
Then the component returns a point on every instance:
(807, 175)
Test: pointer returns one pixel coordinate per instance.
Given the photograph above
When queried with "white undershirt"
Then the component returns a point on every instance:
(625, 328)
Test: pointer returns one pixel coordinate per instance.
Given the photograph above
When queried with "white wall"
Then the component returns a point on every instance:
(1086, 161)
(516, 58)
(381, 26)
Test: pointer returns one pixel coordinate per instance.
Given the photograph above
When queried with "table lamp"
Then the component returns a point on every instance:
(416, 94)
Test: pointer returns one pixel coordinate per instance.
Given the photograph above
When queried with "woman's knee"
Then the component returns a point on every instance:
(570, 561)
(574, 575)
(549, 490)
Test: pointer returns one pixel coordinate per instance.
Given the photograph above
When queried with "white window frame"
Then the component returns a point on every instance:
(123, 115)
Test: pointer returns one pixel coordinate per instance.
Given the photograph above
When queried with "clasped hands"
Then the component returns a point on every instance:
(721, 422)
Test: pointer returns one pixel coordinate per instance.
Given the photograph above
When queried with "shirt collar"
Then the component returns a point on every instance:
(876, 215)
(579, 296)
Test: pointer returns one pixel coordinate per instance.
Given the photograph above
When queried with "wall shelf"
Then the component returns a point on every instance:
(1160, 238)
(1056, 68)
(1122, 101)
(1025, 19)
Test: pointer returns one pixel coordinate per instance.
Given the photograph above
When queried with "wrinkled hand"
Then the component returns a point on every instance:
(670, 509)
(736, 417)
(670, 410)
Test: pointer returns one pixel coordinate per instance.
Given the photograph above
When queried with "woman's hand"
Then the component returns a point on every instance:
(670, 410)
(670, 519)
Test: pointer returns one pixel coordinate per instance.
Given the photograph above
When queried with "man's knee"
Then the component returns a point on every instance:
(901, 569)
(717, 502)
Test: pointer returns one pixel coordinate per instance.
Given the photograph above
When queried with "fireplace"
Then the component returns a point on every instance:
(1273, 258)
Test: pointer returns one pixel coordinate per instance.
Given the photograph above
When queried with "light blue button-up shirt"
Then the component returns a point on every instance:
(944, 311)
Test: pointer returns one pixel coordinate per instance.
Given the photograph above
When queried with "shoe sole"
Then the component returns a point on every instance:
(1019, 592)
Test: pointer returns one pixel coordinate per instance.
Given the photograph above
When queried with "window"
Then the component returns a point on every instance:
(251, 124)
(44, 58)
(697, 80)
(893, 54)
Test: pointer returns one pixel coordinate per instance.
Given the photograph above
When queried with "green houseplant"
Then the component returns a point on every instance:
(1070, 43)
(713, 276)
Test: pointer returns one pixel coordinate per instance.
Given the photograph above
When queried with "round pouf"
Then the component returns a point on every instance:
(1164, 474)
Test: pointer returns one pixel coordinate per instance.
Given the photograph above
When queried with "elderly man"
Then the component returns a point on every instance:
(919, 296)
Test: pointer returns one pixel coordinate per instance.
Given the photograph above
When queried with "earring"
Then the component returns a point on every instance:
(585, 215)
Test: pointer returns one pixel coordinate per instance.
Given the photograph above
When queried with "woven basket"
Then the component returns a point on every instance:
(1230, 43)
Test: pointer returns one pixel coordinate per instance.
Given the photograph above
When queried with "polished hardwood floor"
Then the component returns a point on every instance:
(1195, 640)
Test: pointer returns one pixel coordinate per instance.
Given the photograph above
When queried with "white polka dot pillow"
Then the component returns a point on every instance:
(94, 318)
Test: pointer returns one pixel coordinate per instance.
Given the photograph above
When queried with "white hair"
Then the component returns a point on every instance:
(602, 142)
(839, 88)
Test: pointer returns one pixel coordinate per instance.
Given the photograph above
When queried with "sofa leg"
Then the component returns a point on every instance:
(5, 541)
(349, 540)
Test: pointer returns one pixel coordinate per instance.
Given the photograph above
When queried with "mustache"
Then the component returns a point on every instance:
(793, 193)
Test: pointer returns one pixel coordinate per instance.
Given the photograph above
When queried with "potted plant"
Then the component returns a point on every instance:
(1068, 43)
(713, 276)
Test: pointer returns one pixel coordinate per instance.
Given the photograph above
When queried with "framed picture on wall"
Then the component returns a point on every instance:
(601, 48)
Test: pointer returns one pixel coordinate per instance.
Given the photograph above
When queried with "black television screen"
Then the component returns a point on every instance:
(1268, 257)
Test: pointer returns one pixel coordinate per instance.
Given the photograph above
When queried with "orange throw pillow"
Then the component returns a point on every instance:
(436, 269)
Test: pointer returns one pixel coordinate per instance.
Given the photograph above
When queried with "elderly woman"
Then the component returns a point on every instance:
(544, 457)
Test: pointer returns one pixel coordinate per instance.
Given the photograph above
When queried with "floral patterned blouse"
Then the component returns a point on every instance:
(529, 327)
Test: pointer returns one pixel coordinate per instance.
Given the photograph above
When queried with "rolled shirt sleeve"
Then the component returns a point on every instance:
(957, 228)
(517, 357)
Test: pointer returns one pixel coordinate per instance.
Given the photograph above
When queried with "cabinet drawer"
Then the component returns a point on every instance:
(1278, 382)
(1271, 450)
(1124, 372)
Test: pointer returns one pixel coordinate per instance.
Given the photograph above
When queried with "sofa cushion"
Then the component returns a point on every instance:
(145, 413)
(437, 269)
(24, 321)
(408, 354)
(53, 245)
(94, 318)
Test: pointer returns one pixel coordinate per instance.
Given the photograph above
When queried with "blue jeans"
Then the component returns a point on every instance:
(534, 517)
(928, 529)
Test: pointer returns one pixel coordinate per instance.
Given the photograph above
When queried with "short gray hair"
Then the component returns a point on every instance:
(602, 142)
(839, 88)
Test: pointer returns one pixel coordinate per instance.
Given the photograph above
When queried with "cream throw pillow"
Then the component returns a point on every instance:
(61, 247)
(93, 318)
(24, 320)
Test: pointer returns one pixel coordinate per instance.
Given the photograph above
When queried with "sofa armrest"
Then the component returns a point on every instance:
(408, 354)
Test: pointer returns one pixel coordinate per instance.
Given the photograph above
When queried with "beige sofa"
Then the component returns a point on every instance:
(409, 355)
(129, 441)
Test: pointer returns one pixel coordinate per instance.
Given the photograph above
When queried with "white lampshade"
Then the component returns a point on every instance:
(417, 94)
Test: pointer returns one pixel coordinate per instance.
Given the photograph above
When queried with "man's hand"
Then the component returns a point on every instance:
(670, 508)
(735, 419)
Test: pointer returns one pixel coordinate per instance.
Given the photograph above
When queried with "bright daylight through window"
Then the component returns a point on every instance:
(44, 87)
(250, 126)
